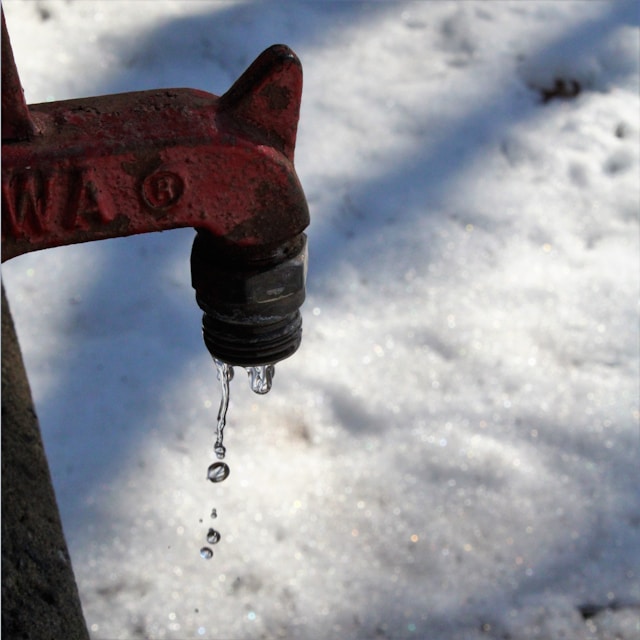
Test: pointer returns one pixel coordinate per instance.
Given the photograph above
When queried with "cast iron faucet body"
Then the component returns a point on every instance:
(117, 165)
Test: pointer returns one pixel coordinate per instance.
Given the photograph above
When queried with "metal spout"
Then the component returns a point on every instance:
(250, 298)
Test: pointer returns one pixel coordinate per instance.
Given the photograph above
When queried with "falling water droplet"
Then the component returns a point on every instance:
(261, 378)
(225, 374)
(214, 514)
(206, 553)
(213, 536)
(218, 471)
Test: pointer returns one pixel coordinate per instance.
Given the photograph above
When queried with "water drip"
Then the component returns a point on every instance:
(261, 378)
(225, 375)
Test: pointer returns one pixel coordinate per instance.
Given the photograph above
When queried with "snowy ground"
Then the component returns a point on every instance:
(454, 451)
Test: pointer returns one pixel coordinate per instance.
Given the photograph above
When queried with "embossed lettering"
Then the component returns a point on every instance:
(90, 203)
(25, 200)
(35, 203)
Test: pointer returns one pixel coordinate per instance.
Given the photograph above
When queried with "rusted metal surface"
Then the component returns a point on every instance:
(16, 123)
(132, 163)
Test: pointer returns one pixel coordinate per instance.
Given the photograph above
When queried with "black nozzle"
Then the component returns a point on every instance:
(250, 298)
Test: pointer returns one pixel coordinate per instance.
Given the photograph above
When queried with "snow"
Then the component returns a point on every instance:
(454, 451)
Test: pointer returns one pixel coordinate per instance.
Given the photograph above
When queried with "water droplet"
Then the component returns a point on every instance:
(261, 378)
(218, 471)
(206, 553)
(214, 513)
(220, 450)
(213, 536)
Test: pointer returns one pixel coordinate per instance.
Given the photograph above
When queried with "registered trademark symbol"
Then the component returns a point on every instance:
(162, 189)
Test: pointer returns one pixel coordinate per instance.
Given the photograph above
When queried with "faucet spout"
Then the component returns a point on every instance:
(250, 285)
(250, 299)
